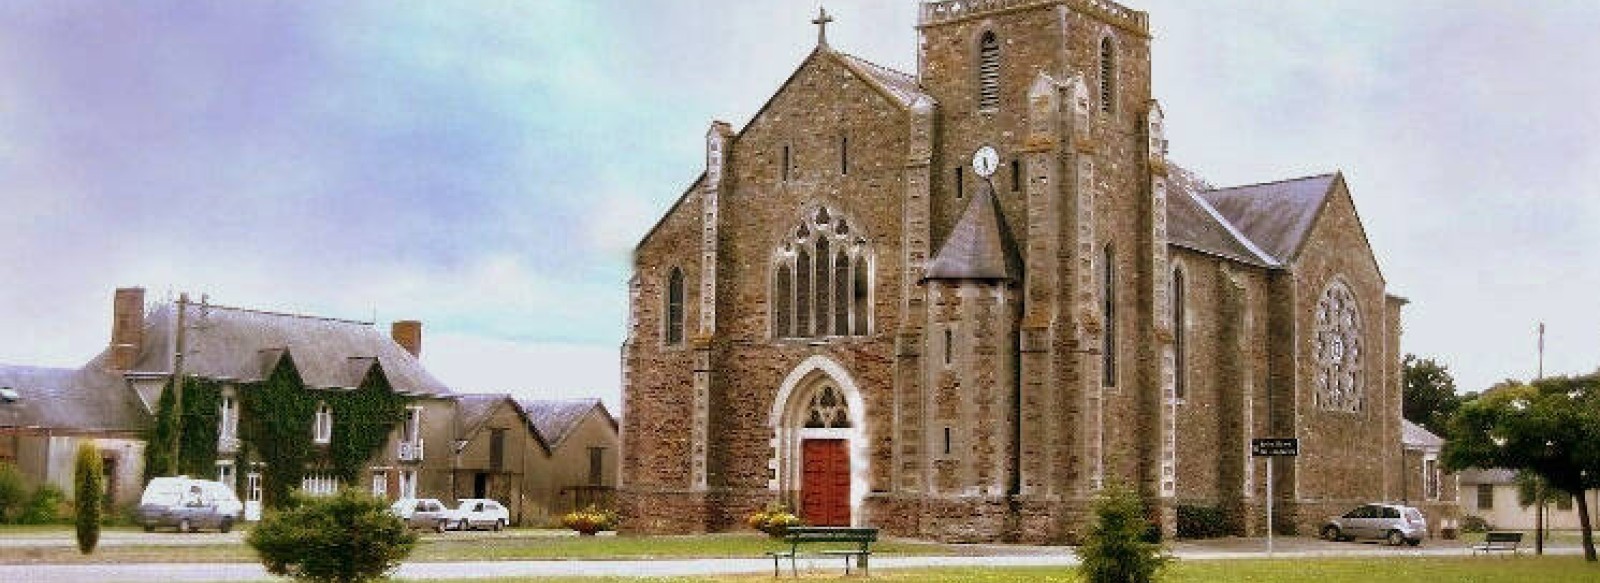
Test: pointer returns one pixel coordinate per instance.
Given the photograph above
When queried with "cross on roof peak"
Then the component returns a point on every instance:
(822, 21)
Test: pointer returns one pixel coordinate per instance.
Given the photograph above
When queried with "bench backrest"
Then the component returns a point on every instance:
(800, 534)
(1502, 537)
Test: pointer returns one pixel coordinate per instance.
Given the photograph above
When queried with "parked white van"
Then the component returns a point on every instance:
(189, 505)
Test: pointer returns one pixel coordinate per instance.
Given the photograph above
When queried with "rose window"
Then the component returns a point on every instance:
(1337, 351)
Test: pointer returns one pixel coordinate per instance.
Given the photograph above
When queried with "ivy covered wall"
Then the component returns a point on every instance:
(275, 427)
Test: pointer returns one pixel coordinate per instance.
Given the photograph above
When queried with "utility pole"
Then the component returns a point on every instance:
(177, 381)
(1538, 488)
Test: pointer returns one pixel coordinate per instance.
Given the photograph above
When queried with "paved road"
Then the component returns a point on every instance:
(1222, 549)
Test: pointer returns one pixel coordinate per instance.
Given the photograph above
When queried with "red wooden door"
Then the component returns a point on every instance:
(825, 487)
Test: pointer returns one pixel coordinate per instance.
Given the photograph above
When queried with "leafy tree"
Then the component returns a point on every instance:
(90, 477)
(13, 493)
(1429, 393)
(349, 537)
(1550, 428)
(1115, 550)
(158, 454)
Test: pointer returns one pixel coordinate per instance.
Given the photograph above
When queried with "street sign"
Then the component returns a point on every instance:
(1274, 447)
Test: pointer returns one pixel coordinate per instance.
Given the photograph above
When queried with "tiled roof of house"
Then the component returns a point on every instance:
(472, 410)
(979, 246)
(556, 419)
(235, 343)
(85, 399)
(1276, 216)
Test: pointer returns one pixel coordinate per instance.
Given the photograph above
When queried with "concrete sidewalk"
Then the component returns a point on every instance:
(1005, 556)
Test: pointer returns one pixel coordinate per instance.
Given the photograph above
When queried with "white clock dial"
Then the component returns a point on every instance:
(985, 160)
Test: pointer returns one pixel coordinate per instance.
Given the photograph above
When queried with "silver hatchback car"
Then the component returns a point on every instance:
(1395, 524)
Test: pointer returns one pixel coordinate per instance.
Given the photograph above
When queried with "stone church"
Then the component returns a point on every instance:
(955, 304)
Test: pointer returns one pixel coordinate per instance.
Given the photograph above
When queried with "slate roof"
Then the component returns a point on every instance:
(979, 246)
(1276, 216)
(81, 399)
(245, 345)
(472, 410)
(1194, 225)
(903, 87)
(1417, 436)
(1489, 476)
(556, 419)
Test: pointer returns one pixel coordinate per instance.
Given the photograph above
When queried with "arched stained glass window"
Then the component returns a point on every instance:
(827, 410)
(820, 279)
(858, 297)
(841, 294)
(824, 307)
(783, 303)
(802, 293)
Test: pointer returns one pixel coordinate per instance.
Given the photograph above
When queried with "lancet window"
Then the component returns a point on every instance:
(821, 279)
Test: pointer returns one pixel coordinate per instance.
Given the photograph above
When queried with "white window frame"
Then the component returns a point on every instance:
(412, 433)
(319, 485)
(228, 422)
(322, 428)
(225, 473)
(408, 483)
(380, 483)
(252, 488)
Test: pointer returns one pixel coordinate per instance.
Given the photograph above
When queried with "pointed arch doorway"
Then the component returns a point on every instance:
(819, 442)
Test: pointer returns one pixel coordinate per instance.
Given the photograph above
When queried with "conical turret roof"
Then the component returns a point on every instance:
(979, 247)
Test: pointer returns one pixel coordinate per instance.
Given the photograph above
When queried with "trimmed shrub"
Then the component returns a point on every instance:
(13, 493)
(1114, 551)
(349, 537)
(1474, 523)
(1203, 522)
(44, 507)
(90, 479)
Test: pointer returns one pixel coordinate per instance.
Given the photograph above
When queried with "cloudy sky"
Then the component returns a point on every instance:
(486, 167)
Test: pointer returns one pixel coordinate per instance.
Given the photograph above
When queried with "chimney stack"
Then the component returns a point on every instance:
(408, 334)
(127, 327)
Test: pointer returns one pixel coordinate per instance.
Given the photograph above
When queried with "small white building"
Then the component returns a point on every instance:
(1492, 495)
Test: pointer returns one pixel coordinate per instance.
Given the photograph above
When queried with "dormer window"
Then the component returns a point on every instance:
(322, 427)
(988, 72)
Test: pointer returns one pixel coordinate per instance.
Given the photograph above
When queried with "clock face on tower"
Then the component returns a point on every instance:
(985, 160)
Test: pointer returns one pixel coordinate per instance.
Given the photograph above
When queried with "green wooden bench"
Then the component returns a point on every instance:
(1498, 541)
(800, 535)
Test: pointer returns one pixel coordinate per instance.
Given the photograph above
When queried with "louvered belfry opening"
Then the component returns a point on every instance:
(988, 72)
(1108, 74)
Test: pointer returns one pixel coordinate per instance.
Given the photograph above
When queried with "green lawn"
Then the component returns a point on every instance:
(1385, 570)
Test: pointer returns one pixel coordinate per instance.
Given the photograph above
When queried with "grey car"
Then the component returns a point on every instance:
(1395, 524)
(422, 513)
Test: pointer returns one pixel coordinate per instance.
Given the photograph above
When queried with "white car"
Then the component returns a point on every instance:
(480, 513)
(189, 504)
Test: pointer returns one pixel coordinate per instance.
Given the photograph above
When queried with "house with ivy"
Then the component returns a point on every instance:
(273, 402)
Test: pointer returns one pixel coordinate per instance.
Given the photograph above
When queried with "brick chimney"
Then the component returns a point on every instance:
(127, 327)
(408, 334)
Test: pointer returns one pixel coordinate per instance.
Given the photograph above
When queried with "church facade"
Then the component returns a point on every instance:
(956, 304)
